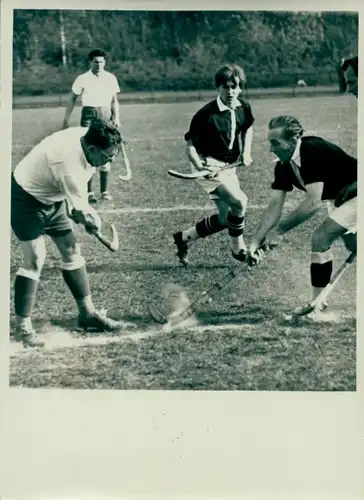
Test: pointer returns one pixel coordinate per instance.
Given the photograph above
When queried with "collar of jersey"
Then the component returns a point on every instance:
(93, 74)
(296, 154)
(223, 107)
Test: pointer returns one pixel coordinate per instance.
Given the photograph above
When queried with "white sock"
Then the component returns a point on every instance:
(190, 234)
(24, 322)
(237, 243)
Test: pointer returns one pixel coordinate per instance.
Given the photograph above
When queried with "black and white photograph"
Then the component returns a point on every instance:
(184, 200)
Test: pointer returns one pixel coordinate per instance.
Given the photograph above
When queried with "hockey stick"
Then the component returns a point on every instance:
(174, 319)
(112, 243)
(200, 173)
(323, 295)
(128, 175)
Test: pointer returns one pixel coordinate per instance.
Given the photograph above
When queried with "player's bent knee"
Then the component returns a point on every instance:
(34, 263)
(320, 241)
(223, 213)
(73, 261)
(238, 205)
(33, 257)
(70, 251)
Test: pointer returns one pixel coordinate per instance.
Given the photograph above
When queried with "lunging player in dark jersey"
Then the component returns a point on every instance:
(325, 172)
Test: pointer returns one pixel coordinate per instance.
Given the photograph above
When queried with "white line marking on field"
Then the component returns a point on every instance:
(59, 339)
(192, 208)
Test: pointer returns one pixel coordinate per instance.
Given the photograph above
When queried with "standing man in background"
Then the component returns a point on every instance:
(98, 90)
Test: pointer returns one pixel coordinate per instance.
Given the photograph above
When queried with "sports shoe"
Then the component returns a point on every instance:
(91, 197)
(241, 256)
(106, 196)
(319, 308)
(182, 248)
(99, 322)
(28, 337)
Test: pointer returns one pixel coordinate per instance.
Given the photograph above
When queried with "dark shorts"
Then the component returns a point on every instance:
(30, 218)
(89, 113)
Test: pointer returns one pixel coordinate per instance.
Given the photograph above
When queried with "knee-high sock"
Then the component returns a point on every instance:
(25, 291)
(103, 181)
(76, 277)
(205, 227)
(235, 226)
(320, 270)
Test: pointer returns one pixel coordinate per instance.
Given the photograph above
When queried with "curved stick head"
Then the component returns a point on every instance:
(128, 174)
(114, 244)
(157, 314)
(110, 242)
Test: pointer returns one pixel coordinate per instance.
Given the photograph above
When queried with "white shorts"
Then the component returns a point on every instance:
(345, 215)
(227, 177)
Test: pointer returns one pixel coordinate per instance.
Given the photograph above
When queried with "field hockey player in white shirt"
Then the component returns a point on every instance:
(47, 184)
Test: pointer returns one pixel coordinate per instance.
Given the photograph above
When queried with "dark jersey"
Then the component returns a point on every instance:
(210, 130)
(321, 161)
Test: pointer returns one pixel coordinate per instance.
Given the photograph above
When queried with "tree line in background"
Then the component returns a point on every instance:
(177, 50)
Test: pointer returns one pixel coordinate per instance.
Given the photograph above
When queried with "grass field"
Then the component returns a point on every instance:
(237, 342)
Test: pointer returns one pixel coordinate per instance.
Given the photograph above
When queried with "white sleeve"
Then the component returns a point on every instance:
(75, 190)
(116, 85)
(72, 181)
(77, 86)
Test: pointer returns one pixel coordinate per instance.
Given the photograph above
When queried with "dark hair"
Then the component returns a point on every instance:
(96, 53)
(103, 134)
(291, 127)
(230, 72)
(350, 62)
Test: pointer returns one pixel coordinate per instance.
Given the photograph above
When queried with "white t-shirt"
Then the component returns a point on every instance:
(95, 90)
(56, 169)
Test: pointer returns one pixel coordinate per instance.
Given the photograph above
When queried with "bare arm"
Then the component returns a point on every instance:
(69, 110)
(246, 139)
(306, 209)
(269, 218)
(115, 110)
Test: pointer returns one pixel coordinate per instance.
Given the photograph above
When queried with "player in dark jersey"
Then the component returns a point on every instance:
(220, 134)
(321, 169)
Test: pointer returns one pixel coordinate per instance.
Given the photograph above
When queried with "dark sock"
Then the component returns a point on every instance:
(209, 225)
(77, 282)
(25, 290)
(321, 274)
(235, 225)
(103, 181)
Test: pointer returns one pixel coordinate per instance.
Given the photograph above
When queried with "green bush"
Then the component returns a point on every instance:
(157, 75)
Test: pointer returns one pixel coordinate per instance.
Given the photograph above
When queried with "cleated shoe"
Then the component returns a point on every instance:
(300, 311)
(241, 256)
(106, 196)
(91, 197)
(98, 322)
(28, 337)
(182, 248)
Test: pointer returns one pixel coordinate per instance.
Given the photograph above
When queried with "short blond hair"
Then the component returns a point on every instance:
(291, 127)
